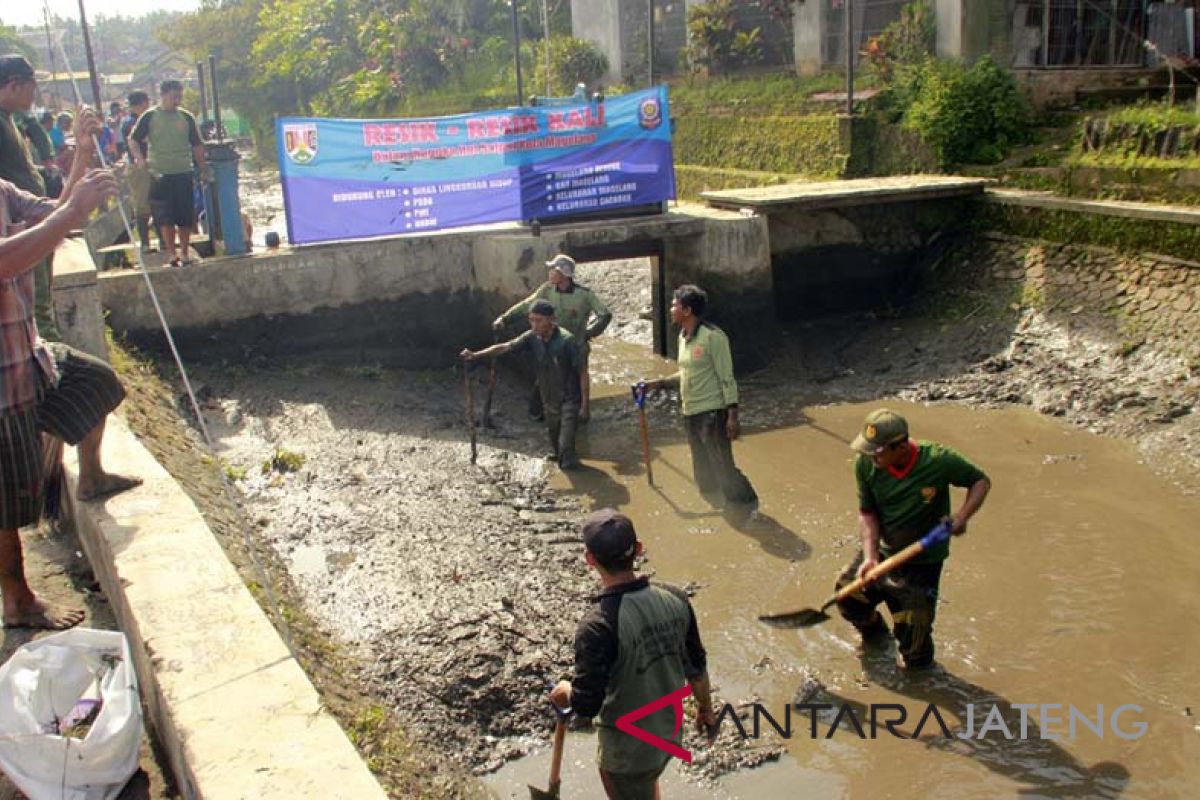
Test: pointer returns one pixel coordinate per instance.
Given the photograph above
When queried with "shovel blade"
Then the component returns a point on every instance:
(545, 794)
(802, 618)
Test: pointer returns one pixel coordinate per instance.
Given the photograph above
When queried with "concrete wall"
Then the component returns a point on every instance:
(808, 21)
(599, 23)
(857, 258)
(77, 306)
(414, 301)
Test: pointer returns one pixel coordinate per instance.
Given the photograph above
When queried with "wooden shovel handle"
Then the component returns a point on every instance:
(936, 536)
(560, 736)
(646, 445)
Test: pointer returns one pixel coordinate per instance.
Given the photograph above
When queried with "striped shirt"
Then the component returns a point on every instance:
(22, 352)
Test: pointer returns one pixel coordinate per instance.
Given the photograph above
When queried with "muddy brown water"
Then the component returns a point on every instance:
(1074, 587)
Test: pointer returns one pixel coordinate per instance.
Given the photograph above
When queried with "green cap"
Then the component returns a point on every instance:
(881, 428)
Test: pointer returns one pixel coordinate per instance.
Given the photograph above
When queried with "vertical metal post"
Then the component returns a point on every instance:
(202, 84)
(517, 52)
(91, 60)
(650, 43)
(212, 85)
(1046, 33)
(546, 42)
(850, 48)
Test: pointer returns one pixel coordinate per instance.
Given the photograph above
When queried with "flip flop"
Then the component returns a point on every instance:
(175, 262)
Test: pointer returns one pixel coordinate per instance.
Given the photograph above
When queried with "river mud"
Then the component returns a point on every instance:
(452, 589)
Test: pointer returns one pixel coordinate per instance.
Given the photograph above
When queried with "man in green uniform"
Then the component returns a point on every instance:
(17, 87)
(166, 137)
(558, 367)
(638, 643)
(709, 395)
(575, 306)
(903, 492)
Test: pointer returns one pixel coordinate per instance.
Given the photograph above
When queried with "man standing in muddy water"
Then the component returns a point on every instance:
(46, 388)
(559, 368)
(575, 305)
(709, 395)
(638, 643)
(904, 492)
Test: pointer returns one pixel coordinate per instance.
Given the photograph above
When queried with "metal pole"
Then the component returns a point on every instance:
(546, 41)
(202, 85)
(849, 7)
(53, 60)
(212, 88)
(650, 43)
(517, 52)
(91, 59)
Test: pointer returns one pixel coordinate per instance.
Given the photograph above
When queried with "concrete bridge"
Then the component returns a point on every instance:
(413, 300)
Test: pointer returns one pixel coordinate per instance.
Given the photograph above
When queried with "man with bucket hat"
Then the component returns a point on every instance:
(903, 492)
(579, 311)
(638, 643)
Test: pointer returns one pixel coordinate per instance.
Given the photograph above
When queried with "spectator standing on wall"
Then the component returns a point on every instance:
(138, 173)
(17, 87)
(167, 139)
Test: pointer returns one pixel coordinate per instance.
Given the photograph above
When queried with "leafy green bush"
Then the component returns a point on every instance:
(572, 61)
(715, 42)
(971, 115)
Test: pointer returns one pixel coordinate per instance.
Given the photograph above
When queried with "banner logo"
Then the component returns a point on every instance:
(300, 142)
(650, 113)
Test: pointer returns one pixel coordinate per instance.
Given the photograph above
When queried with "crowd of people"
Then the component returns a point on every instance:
(49, 393)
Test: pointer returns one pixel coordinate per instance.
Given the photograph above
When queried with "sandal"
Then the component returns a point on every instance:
(175, 262)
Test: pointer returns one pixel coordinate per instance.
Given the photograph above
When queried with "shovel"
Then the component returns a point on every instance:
(560, 736)
(486, 420)
(470, 407)
(639, 397)
(807, 617)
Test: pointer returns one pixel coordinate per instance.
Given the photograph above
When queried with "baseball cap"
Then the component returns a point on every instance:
(564, 264)
(881, 428)
(543, 308)
(609, 536)
(14, 66)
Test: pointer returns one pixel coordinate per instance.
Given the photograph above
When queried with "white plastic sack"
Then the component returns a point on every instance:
(47, 686)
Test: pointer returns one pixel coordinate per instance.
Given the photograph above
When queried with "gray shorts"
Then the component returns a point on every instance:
(86, 392)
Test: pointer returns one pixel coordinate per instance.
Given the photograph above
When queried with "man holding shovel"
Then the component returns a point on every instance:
(903, 492)
(709, 395)
(558, 365)
(638, 644)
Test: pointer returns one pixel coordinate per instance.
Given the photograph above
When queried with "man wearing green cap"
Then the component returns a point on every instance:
(903, 492)
(580, 313)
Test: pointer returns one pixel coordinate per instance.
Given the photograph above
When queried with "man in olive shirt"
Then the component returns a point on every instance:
(638, 643)
(709, 396)
(904, 492)
(575, 305)
(17, 87)
(559, 366)
(166, 137)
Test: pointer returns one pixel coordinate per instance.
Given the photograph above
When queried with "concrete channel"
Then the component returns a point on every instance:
(232, 708)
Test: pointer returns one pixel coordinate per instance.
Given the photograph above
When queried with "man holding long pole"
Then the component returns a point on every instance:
(709, 395)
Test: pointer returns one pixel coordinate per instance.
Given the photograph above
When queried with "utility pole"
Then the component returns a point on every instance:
(848, 5)
(91, 61)
(517, 52)
(546, 41)
(650, 42)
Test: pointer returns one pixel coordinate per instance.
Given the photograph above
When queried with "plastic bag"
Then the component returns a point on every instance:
(70, 716)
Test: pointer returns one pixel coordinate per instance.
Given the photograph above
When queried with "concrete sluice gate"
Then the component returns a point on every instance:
(460, 587)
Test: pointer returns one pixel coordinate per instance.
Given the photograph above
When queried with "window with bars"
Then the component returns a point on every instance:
(1079, 33)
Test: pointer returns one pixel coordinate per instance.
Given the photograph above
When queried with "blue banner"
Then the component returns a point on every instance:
(349, 179)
